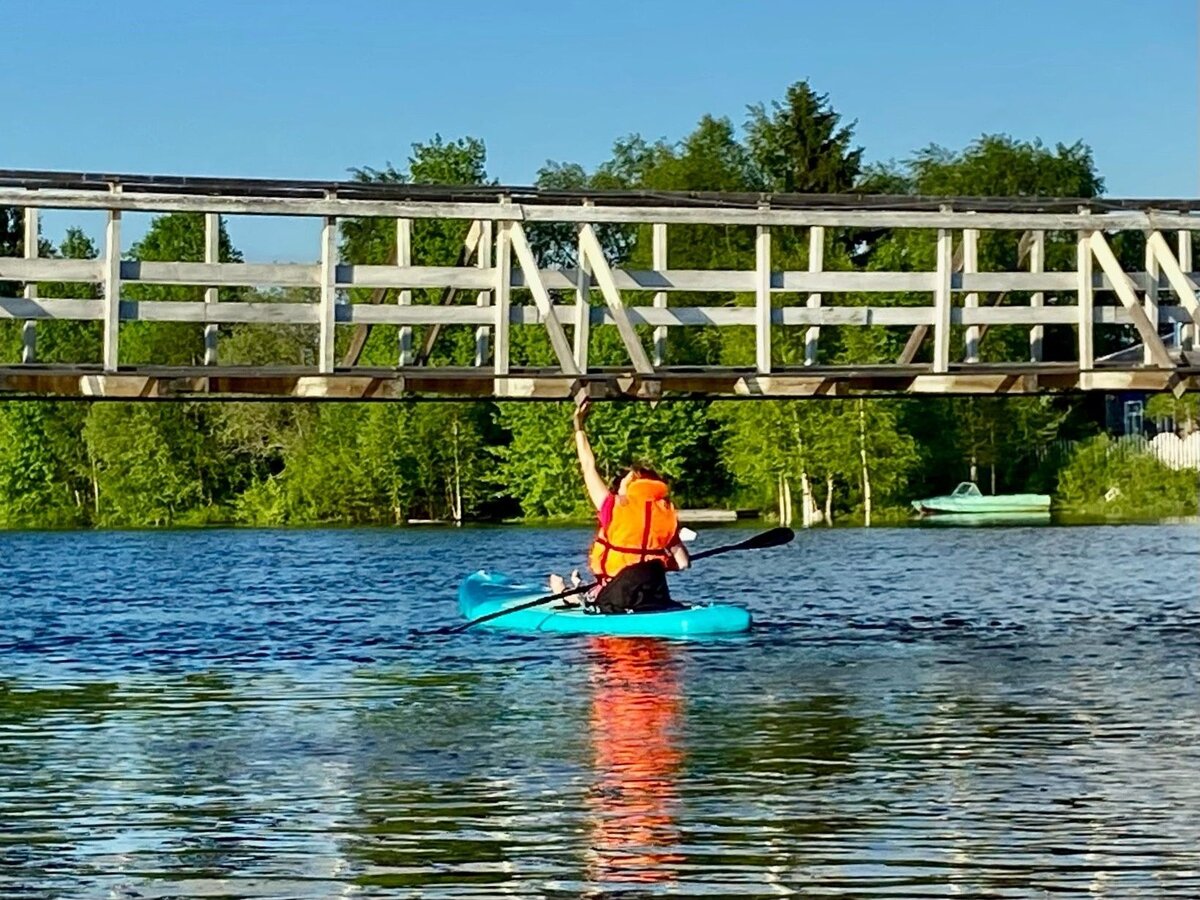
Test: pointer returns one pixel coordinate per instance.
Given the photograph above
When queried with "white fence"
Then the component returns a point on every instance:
(1168, 448)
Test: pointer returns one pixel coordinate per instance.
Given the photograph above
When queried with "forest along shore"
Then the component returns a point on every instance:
(132, 465)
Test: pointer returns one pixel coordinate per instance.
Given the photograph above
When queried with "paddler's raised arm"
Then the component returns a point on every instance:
(596, 487)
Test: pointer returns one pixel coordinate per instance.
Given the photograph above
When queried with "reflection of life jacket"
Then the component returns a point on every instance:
(642, 527)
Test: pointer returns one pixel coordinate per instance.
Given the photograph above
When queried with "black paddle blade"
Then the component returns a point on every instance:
(776, 537)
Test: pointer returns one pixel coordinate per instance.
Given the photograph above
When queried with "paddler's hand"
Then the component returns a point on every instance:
(581, 413)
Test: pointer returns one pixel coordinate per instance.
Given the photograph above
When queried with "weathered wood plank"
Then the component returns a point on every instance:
(1087, 300)
(503, 288)
(970, 238)
(112, 291)
(212, 254)
(483, 299)
(327, 316)
(658, 258)
(816, 263)
(762, 300)
(1037, 264)
(941, 301)
(32, 240)
(577, 213)
(41, 308)
(34, 270)
(583, 308)
(403, 249)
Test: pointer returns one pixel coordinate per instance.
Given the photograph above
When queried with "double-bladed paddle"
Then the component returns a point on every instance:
(774, 538)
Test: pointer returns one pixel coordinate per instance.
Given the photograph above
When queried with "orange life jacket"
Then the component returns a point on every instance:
(643, 526)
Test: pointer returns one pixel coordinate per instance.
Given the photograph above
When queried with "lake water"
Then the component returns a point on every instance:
(919, 712)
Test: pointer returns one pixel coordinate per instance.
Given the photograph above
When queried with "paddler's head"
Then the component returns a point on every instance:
(642, 483)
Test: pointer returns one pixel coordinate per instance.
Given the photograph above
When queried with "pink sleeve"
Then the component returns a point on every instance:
(606, 510)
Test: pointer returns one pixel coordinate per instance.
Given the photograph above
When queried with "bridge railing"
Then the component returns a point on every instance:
(500, 260)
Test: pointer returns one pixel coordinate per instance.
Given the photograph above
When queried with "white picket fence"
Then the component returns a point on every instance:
(1170, 449)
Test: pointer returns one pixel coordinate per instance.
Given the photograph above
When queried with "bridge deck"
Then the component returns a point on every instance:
(414, 383)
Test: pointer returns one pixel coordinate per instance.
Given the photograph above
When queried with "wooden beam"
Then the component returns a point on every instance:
(500, 328)
(541, 297)
(110, 352)
(483, 299)
(762, 300)
(1087, 300)
(212, 254)
(970, 248)
(403, 257)
(326, 332)
(1181, 282)
(29, 327)
(658, 261)
(1188, 337)
(591, 250)
(1151, 301)
(941, 301)
(816, 263)
(1037, 263)
(1129, 299)
(583, 307)
(339, 207)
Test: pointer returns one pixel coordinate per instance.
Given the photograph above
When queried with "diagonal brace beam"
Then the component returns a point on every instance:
(1180, 283)
(589, 246)
(1127, 294)
(533, 279)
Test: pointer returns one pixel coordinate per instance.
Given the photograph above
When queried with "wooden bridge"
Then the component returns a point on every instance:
(506, 286)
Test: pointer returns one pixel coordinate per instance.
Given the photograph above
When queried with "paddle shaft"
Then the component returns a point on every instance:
(772, 538)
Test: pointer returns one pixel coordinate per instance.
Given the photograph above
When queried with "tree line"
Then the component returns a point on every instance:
(112, 464)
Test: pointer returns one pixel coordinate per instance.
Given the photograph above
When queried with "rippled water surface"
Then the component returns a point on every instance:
(919, 712)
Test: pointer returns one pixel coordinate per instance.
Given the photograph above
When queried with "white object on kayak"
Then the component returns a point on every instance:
(687, 535)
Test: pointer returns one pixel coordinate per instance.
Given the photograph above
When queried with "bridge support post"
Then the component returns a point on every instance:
(112, 290)
(212, 254)
(1037, 263)
(1187, 338)
(1151, 301)
(941, 301)
(816, 263)
(583, 304)
(762, 300)
(503, 297)
(327, 313)
(970, 239)
(29, 326)
(658, 252)
(404, 259)
(1087, 300)
(483, 260)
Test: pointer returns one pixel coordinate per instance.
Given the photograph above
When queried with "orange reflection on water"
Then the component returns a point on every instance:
(635, 718)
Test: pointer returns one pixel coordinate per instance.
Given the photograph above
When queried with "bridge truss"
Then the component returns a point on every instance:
(500, 284)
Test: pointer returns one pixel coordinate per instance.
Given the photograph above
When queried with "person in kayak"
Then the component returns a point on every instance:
(638, 540)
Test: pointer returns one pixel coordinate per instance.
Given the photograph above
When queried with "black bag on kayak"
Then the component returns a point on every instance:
(641, 587)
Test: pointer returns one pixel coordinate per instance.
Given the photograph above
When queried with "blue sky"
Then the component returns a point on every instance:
(308, 90)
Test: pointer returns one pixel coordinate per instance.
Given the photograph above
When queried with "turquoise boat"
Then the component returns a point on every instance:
(488, 592)
(966, 499)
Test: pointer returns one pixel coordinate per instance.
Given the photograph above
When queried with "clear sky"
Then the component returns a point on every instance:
(308, 90)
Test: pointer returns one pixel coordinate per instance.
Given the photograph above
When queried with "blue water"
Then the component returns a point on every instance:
(920, 712)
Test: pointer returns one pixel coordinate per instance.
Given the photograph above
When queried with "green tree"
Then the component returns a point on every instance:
(799, 146)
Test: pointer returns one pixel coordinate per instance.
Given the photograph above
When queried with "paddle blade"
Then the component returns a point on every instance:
(776, 537)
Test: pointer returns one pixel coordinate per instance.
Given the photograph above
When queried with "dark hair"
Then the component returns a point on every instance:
(640, 471)
(644, 471)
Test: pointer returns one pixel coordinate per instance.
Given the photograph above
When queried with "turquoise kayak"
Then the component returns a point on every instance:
(487, 592)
